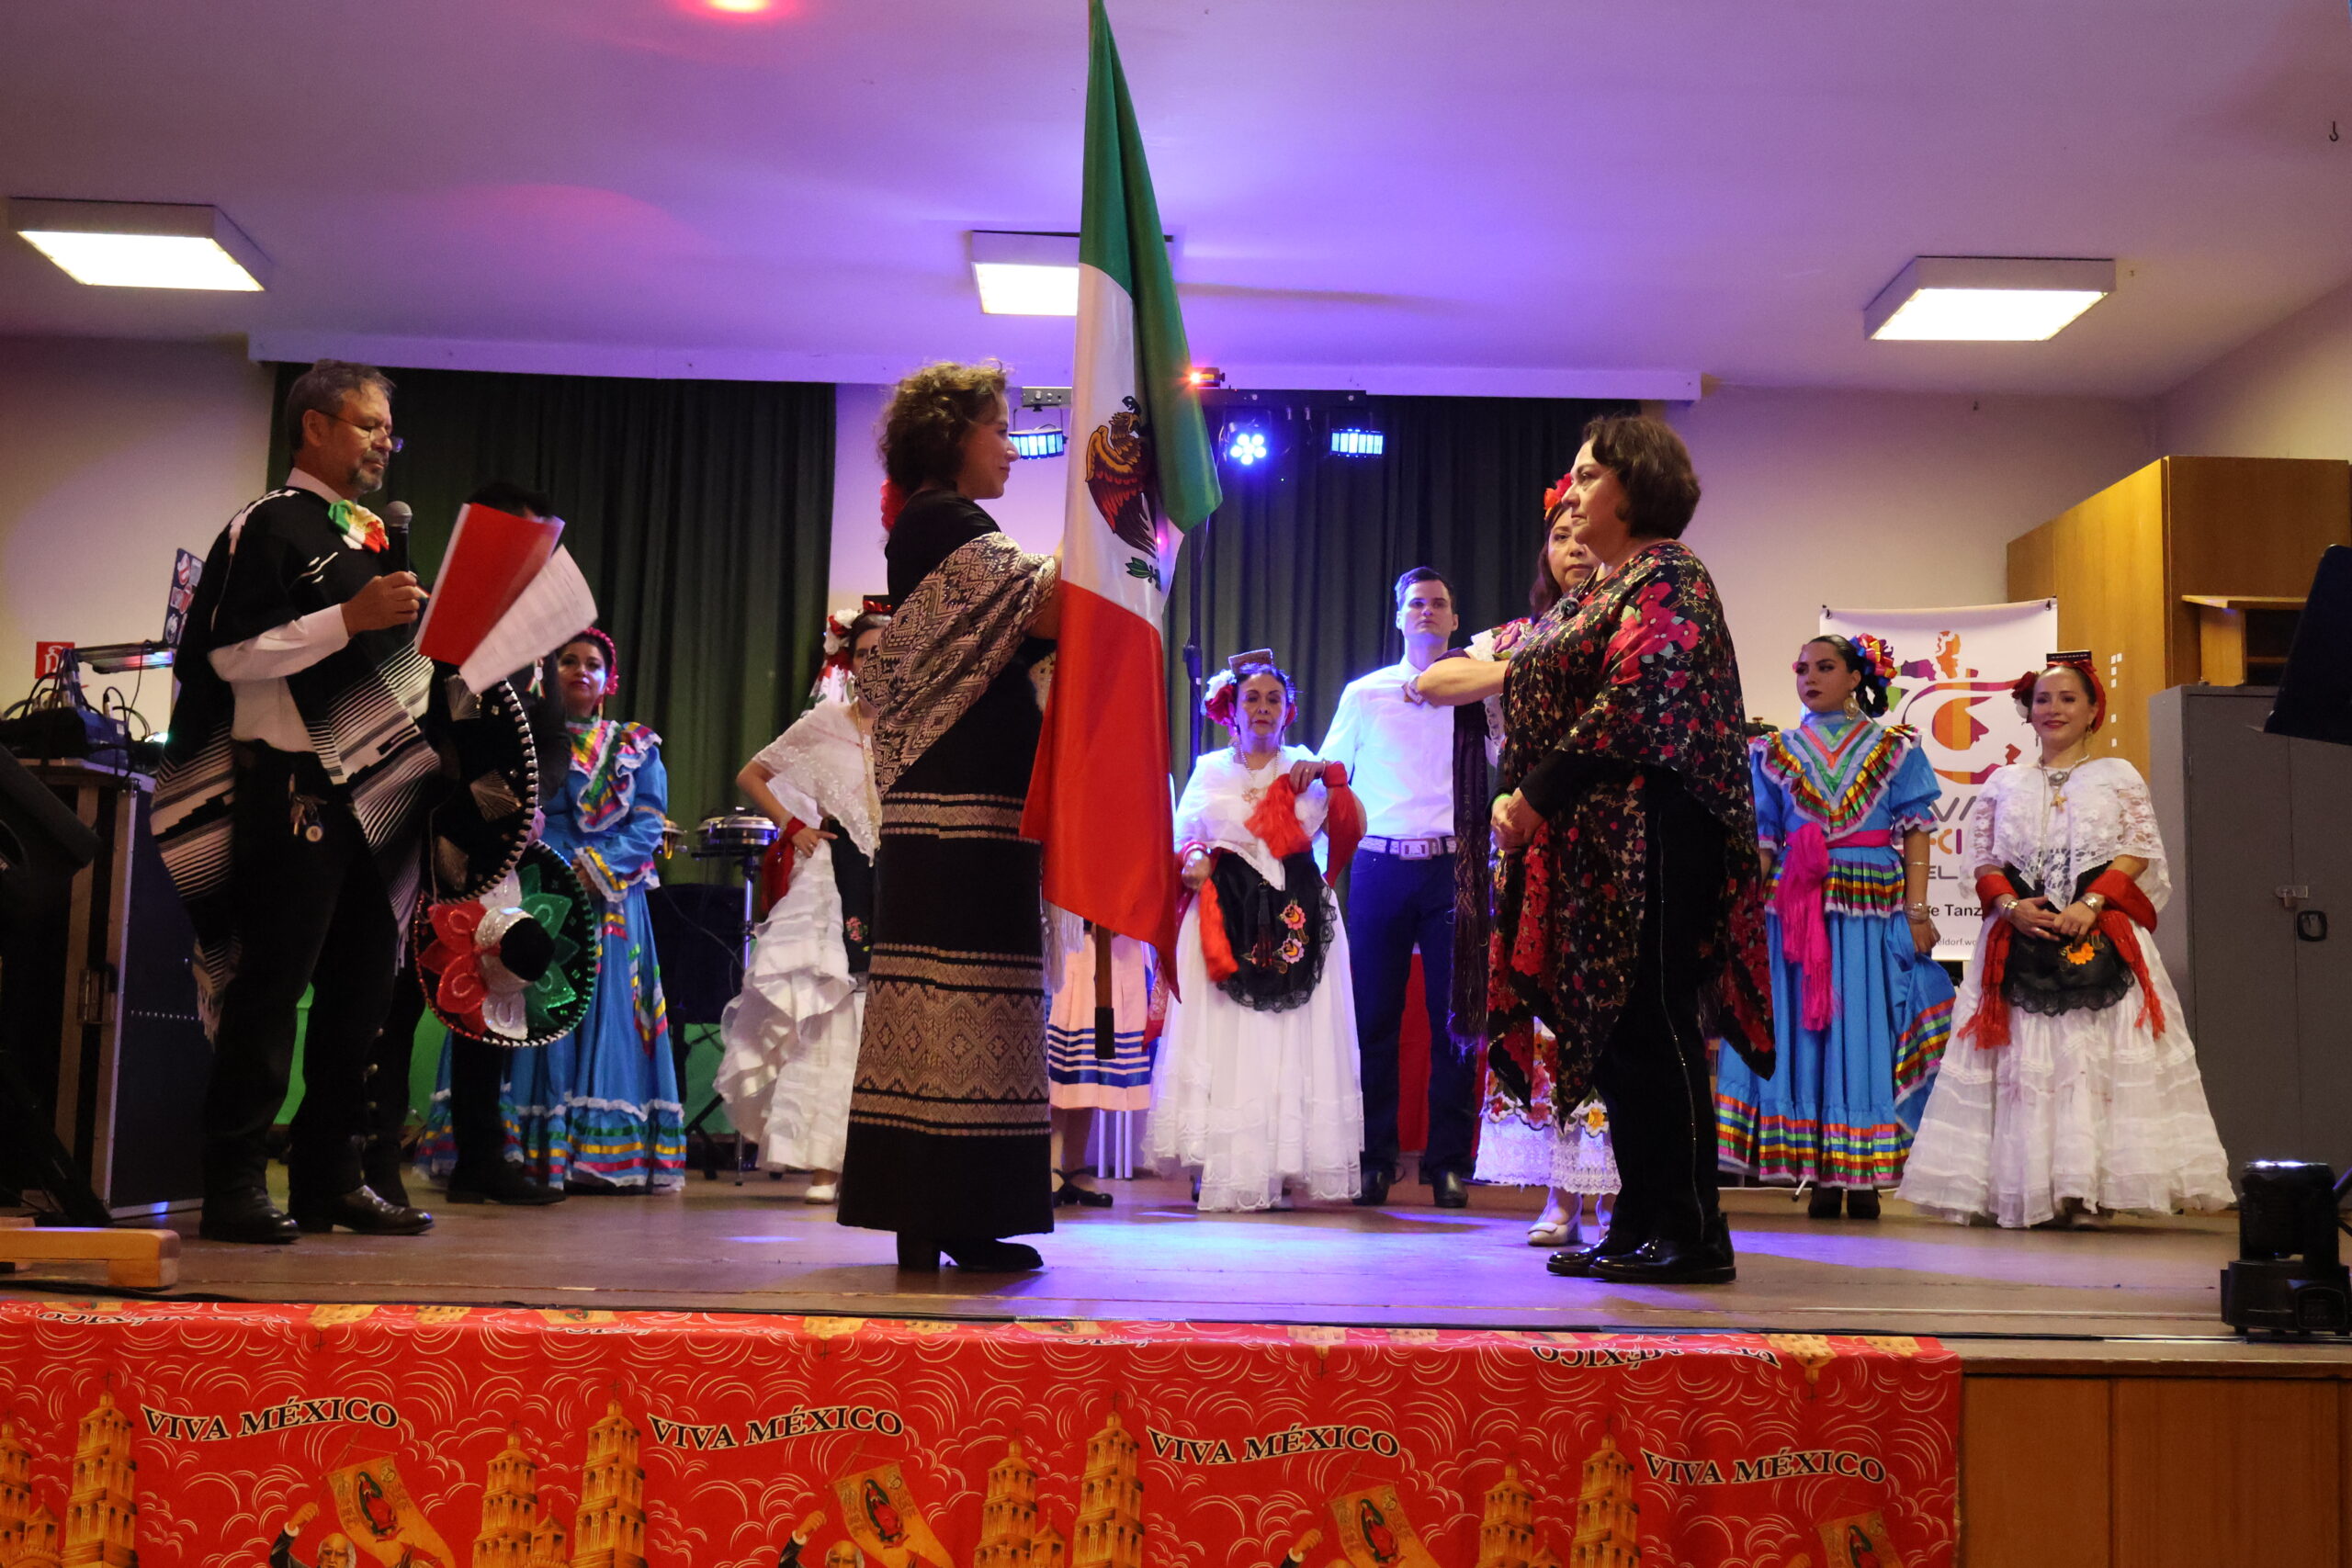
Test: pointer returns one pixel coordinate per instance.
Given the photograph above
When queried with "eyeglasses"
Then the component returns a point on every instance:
(371, 431)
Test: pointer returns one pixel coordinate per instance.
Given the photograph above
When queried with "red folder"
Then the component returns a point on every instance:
(492, 557)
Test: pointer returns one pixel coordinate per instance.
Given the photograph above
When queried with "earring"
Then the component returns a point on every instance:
(1853, 706)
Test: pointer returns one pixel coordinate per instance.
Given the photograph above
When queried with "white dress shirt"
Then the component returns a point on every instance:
(1398, 754)
(256, 668)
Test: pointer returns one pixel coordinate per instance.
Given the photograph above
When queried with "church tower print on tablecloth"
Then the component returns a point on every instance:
(1110, 1501)
(610, 1529)
(27, 1530)
(514, 1532)
(102, 1513)
(1507, 1533)
(1010, 1533)
(1608, 1520)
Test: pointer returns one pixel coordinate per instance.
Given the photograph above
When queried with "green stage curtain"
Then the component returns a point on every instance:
(700, 512)
(1305, 553)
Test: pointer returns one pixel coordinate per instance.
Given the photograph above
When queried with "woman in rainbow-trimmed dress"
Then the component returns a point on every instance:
(598, 1110)
(1862, 1009)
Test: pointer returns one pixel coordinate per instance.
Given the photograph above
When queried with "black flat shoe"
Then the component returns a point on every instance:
(1374, 1191)
(1861, 1203)
(1068, 1194)
(249, 1218)
(510, 1183)
(363, 1211)
(1448, 1191)
(987, 1256)
(1663, 1262)
(1824, 1202)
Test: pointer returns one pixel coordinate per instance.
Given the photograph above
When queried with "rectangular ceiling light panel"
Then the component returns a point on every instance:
(1986, 298)
(141, 244)
(1026, 274)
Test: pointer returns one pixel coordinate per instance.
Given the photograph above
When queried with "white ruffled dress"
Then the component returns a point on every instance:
(1253, 1101)
(791, 1035)
(2095, 1106)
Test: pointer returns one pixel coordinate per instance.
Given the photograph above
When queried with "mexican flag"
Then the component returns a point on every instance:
(1140, 473)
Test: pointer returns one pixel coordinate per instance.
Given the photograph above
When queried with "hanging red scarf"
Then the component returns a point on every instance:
(2127, 908)
(1275, 825)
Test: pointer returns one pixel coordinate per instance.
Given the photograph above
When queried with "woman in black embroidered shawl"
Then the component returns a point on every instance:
(1629, 911)
(949, 1123)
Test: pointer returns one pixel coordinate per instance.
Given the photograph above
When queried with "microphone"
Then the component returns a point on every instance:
(396, 517)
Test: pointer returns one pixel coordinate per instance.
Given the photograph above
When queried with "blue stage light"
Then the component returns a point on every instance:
(1358, 443)
(1246, 445)
(1051, 441)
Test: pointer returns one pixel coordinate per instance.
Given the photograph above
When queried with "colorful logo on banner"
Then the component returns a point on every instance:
(378, 1513)
(1953, 670)
(883, 1520)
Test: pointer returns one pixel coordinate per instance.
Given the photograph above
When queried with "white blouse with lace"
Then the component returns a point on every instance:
(2054, 824)
(823, 766)
(1223, 794)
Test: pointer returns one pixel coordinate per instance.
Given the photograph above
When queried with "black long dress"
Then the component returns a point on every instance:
(948, 1132)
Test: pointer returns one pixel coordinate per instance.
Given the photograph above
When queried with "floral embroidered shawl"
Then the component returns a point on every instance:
(1640, 675)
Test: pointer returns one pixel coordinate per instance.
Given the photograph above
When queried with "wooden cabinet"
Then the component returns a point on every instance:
(2125, 565)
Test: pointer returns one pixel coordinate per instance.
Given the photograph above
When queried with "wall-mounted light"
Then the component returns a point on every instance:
(141, 244)
(1986, 298)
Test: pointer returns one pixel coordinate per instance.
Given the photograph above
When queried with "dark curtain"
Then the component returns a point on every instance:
(700, 512)
(1305, 553)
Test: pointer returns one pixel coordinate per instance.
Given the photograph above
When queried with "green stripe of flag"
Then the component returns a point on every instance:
(1120, 235)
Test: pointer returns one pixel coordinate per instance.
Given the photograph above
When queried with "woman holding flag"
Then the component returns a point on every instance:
(948, 1126)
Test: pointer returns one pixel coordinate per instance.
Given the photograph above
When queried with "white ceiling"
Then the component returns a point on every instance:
(1432, 194)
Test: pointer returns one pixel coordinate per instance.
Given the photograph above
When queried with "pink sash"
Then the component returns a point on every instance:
(1804, 932)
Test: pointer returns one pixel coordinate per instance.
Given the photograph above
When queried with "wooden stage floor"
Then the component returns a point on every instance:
(2146, 1288)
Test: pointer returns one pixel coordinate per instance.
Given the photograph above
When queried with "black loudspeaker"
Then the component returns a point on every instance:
(2315, 699)
(42, 846)
(2287, 1279)
(699, 937)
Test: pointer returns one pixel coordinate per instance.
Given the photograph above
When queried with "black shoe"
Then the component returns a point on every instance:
(383, 1178)
(1069, 1194)
(1824, 1202)
(986, 1257)
(363, 1211)
(1862, 1202)
(1663, 1262)
(510, 1183)
(1374, 1191)
(920, 1253)
(1447, 1190)
(248, 1217)
(1576, 1262)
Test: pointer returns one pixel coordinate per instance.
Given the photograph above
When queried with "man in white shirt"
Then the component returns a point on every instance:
(288, 810)
(1398, 751)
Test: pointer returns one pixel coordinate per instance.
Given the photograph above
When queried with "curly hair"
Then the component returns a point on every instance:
(1654, 467)
(931, 412)
(323, 387)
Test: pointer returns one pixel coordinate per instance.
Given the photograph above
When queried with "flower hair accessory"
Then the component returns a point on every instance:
(1223, 692)
(1878, 655)
(2079, 661)
(1558, 493)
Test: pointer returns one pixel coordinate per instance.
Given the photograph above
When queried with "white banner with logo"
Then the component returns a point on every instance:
(1953, 670)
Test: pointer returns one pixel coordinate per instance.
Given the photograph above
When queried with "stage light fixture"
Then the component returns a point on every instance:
(1358, 443)
(1203, 378)
(1986, 298)
(1020, 274)
(141, 244)
(1246, 444)
(2289, 1278)
(1051, 441)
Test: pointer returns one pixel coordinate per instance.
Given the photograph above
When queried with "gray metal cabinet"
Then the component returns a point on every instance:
(2258, 934)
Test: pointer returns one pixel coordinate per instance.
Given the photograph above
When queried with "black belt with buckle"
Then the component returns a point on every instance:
(1412, 848)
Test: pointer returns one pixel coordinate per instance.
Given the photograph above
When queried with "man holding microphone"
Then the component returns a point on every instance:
(290, 809)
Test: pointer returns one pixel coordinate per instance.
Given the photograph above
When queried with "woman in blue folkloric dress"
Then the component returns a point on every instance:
(598, 1110)
(1862, 1009)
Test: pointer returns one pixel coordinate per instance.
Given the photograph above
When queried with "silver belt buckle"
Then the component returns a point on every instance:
(1415, 849)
